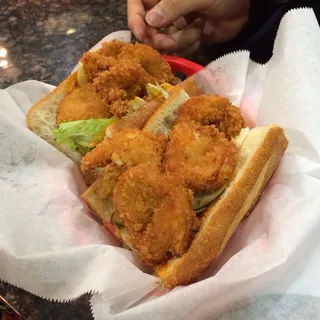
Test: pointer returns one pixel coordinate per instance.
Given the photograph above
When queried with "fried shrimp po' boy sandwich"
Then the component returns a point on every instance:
(119, 86)
(175, 191)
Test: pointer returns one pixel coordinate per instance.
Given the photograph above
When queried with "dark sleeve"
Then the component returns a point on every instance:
(264, 20)
(262, 27)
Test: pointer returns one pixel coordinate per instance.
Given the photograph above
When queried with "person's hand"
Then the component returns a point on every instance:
(180, 25)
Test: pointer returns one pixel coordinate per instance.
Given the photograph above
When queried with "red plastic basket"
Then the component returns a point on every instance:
(182, 67)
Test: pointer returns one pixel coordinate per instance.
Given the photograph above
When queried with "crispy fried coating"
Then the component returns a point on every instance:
(108, 179)
(156, 211)
(81, 104)
(120, 72)
(125, 148)
(200, 156)
(157, 69)
(137, 119)
(119, 85)
(94, 63)
(212, 110)
(112, 48)
(188, 85)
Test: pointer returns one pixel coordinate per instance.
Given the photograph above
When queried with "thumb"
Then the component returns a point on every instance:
(168, 11)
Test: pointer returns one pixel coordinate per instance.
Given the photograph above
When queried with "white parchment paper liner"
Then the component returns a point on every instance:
(51, 246)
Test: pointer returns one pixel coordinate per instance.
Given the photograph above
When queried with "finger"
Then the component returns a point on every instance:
(191, 50)
(189, 20)
(176, 40)
(171, 30)
(180, 24)
(192, 16)
(187, 37)
(149, 4)
(218, 31)
(168, 11)
(185, 22)
(138, 28)
(136, 15)
(197, 22)
(160, 41)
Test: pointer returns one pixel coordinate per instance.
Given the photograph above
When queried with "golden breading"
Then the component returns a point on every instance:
(200, 156)
(112, 48)
(108, 179)
(119, 85)
(128, 147)
(82, 104)
(94, 63)
(137, 119)
(156, 211)
(212, 110)
(157, 69)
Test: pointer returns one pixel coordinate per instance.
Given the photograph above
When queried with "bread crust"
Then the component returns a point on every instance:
(65, 87)
(223, 217)
(41, 117)
(163, 118)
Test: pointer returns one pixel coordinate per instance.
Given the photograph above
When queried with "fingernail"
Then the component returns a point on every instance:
(155, 16)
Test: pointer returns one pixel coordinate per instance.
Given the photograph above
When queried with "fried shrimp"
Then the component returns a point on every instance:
(125, 148)
(112, 48)
(94, 63)
(108, 179)
(120, 72)
(81, 104)
(212, 110)
(120, 84)
(157, 69)
(156, 211)
(200, 156)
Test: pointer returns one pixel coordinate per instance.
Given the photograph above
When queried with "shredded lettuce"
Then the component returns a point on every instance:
(82, 134)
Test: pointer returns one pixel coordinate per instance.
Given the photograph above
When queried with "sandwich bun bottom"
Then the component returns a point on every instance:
(260, 152)
(259, 157)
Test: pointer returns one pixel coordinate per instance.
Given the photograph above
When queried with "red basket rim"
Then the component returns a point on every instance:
(187, 67)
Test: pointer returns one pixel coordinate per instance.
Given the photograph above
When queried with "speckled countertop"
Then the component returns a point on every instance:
(43, 40)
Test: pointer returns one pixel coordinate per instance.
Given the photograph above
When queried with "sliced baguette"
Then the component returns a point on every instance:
(260, 154)
(163, 119)
(41, 118)
(137, 119)
(156, 124)
(259, 157)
